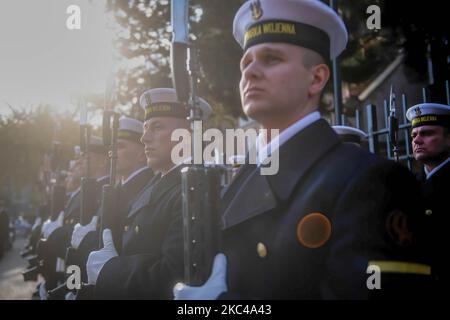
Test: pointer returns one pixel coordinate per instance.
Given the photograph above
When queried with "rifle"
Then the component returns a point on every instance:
(200, 186)
(88, 184)
(58, 198)
(108, 207)
(393, 124)
(110, 192)
(87, 198)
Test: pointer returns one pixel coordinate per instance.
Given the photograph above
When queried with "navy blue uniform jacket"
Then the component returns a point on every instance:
(311, 231)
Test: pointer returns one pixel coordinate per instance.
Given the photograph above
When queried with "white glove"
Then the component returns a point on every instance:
(36, 224)
(42, 291)
(45, 226)
(60, 265)
(79, 232)
(97, 259)
(70, 296)
(215, 285)
(48, 228)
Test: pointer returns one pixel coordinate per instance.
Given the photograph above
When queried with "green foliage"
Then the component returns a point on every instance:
(25, 137)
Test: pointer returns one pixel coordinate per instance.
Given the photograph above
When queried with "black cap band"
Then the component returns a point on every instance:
(431, 120)
(350, 138)
(296, 33)
(175, 110)
(129, 135)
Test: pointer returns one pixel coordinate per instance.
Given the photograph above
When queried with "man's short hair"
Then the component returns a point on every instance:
(312, 58)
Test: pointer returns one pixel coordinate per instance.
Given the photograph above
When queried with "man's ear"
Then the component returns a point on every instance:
(320, 74)
(447, 136)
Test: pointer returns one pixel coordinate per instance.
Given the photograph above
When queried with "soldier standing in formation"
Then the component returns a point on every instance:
(333, 211)
(431, 147)
(134, 173)
(57, 229)
(151, 256)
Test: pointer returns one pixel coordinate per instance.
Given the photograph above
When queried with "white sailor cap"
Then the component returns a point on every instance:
(350, 134)
(163, 102)
(429, 114)
(77, 150)
(308, 23)
(130, 129)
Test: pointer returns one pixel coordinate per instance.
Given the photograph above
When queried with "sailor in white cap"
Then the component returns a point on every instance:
(98, 154)
(350, 135)
(162, 102)
(97, 166)
(310, 24)
(431, 147)
(131, 167)
(57, 229)
(311, 230)
(135, 175)
(163, 114)
(431, 136)
(287, 45)
(151, 257)
(131, 158)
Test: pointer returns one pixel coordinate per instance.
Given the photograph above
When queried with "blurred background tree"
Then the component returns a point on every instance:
(25, 136)
(145, 36)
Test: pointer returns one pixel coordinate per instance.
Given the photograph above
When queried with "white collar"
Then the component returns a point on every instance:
(102, 178)
(188, 160)
(73, 193)
(429, 174)
(266, 149)
(134, 174)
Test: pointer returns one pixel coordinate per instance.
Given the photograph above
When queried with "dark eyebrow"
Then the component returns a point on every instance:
(423, 132)
(272, 51)
(156, 123)
(265, 50)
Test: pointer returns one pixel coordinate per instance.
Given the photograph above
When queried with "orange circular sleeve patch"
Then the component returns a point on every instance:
(314, 230)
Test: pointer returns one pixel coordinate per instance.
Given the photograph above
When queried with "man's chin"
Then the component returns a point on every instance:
(430, 159)
(420, 157)
(255, 112)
